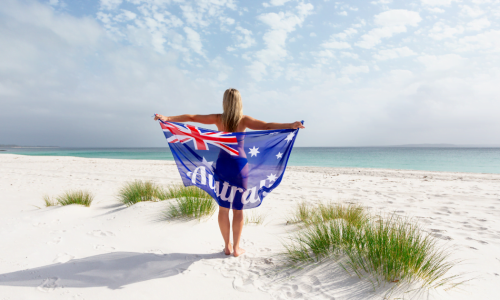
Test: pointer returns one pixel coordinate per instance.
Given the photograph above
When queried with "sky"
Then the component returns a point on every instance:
(359, 73)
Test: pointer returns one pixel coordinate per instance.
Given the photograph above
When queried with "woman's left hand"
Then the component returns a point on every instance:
(297, 124)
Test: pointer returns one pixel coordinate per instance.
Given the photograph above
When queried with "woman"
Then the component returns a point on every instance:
(232, 120)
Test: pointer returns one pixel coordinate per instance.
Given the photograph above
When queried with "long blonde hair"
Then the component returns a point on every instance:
(233, 110)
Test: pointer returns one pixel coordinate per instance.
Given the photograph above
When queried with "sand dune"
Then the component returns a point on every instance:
(112, 251)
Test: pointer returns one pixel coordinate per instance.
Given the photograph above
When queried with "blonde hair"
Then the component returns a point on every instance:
(233, 110)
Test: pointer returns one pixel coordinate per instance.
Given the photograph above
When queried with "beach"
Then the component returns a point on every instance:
(109, 250)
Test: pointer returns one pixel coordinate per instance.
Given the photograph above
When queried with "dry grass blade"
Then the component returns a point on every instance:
(253, 217)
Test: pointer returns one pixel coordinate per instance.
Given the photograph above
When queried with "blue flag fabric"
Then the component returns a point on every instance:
(238, 169)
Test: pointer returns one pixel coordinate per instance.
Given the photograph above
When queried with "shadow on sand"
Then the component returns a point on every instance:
(113, 270)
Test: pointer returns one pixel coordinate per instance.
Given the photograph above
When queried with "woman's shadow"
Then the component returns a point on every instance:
(113, 270)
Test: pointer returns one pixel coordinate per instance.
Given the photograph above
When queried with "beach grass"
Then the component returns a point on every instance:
(190, 203)
(307, 214)
(255, 218)
(386, 249)
(80, 197)
(49, 201)
(138, 191)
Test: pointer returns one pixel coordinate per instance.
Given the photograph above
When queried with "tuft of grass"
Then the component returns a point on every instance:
(179, 191)
(79, 197)
(309, 214)
(138, 191)
(254, 218)
(391, 249)
(190, 203)
(302, 214)
(48, 201)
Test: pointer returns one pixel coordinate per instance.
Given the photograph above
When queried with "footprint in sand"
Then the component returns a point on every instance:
(100, 233)
(63, 258)
(50, 285)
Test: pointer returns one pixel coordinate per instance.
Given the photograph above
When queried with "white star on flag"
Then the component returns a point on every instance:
(209, 164)
(254, 151)
(279, 155)
(289, 137)
(272, 177)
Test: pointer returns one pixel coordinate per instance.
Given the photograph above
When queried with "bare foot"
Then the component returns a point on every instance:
(228, 249)
(238, 251)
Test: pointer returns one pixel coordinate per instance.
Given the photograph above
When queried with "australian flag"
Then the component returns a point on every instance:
(238, 169)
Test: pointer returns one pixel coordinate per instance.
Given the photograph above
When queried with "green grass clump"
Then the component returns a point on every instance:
(138, 191)
(254, 218)
(391, 249)
(48, 201)
(310, 214)
(190, 203)
(79, 197)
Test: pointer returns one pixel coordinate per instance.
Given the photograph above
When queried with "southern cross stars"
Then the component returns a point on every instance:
(209, 164)
(289, 137)
(272, 177)
(279, 155)
(254, 151)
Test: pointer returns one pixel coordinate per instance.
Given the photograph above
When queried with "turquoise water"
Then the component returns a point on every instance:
(476, 160)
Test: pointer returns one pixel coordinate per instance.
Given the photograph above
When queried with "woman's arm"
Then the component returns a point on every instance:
(203, 119)
(255, 124)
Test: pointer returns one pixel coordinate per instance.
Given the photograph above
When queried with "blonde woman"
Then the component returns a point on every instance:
(232, 120)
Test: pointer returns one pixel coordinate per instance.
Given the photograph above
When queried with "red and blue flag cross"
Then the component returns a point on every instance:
(201, 140)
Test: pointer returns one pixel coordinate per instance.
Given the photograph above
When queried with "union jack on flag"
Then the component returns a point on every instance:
(238, 169)
(183, 133)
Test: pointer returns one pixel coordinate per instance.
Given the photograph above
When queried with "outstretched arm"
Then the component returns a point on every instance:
(203, 119)
(255, 124)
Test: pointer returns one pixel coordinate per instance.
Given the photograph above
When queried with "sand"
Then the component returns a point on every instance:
(109, 251)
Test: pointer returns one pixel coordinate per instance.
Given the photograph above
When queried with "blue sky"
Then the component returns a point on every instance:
(91, 73)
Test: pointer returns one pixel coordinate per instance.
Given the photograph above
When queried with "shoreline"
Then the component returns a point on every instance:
(325, 169)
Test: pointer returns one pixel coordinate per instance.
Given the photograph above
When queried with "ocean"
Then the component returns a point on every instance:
(450, 159)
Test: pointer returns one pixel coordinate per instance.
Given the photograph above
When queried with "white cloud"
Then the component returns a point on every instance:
(334, 44)
(486, 41)
(437, 2)
(54, 2)
(349, 54)
(381, 2)
(275, 3)
(441, 62)
(352, 70)
(442, 31)
(436, 10)
(472, 12)
(478, 24)
(394, 53)
(110, 4)
(388, 23)
(193, 40)
(244, 38)
(336, 40)
(342, 13)
(275, 38)
(312, 34)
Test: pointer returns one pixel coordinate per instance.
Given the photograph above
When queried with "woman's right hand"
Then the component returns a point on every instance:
(160, 117)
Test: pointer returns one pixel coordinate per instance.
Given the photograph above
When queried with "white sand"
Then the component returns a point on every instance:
(110, 251)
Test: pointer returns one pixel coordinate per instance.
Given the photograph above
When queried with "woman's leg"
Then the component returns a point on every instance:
(238, 222)
(225, 229)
